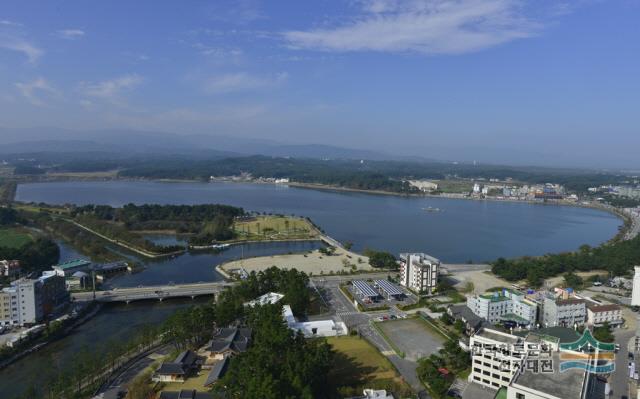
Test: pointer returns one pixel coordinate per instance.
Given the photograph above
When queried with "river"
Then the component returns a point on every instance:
(463, 230)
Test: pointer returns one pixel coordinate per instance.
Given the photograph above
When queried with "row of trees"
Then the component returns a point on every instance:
(439, 370)
(132, 214)
(617, 258)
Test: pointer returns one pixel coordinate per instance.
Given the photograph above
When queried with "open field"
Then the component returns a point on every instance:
(311, 262)
(454, 186)
(482, 280)
(412, 336)
(559, 280)
(359, 365)
(274, 228)
(193, 382)
(13, 238)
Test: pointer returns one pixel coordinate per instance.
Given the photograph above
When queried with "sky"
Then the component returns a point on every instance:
(498, 79)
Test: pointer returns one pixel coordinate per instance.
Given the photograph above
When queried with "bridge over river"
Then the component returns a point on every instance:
(153, 292)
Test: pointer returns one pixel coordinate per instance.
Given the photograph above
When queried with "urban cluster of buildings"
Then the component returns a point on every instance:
(528, 365)
(628, 191)
(558, 308)
(548, 191)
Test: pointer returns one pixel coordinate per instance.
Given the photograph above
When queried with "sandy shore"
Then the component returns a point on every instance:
(310, 262)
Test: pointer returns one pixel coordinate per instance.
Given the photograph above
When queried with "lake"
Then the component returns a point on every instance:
(463, 230)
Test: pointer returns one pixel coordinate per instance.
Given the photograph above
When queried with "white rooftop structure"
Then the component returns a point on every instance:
(635, 295)
(267, 299)
(310, 329)
(376, 394)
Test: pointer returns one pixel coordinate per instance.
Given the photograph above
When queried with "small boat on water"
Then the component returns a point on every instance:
(431, 209)
(220, 246)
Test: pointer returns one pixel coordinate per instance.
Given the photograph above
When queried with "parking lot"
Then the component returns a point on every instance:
(412, 336)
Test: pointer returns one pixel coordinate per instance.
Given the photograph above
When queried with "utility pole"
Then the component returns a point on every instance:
(93, 278)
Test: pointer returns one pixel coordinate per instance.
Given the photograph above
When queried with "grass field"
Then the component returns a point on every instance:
(13, 238)
(358, 363)
(274, 228)
(454, 186)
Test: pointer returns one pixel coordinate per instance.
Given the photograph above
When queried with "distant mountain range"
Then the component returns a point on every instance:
(131, 142)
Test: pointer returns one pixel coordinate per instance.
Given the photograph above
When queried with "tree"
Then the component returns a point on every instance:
(603, 333)
(381, 259)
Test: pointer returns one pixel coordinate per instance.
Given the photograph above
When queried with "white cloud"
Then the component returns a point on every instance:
(112, 89)
(242, 81)
(422, 26)
(6, 22)
(20, 45)
(34, 91)
(70, 34)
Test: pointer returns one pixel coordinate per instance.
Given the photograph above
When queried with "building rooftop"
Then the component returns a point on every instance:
(217, 371)
(498, 336)
(565, 385)
(73, 264)
(185, 394)
(565, 335)
(603, 308)
(232, 338)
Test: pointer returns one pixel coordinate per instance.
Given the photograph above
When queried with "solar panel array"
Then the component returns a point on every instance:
(365, 289)
(388, 287)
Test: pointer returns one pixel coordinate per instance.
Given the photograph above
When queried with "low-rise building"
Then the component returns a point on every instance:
(227, 342)
(68, 268)
(185, 394)
(563, 312)
(598, 315)
(317, 328)
(10, 268)
(419, 272)
(177, 371)
(472, 322)
(504, 306)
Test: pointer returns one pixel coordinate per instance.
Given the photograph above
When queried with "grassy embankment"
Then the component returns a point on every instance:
(272, 228)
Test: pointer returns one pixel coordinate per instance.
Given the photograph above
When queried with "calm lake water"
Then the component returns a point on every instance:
(463, 230)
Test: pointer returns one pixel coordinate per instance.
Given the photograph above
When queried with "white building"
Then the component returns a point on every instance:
(635, 295)
(419, 272)
(505, 305)
(311, 329)
(269, 298)
(597, 315)
(494, 364)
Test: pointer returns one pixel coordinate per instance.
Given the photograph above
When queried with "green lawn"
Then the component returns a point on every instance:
(358, 363)
(274, 227)
(13, 238)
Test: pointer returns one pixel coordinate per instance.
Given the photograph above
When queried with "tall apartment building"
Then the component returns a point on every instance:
(563, 312)
(29, 301)
(419, 272)
(505, 305)
(29, 295)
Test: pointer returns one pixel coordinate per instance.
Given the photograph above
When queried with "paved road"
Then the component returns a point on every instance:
(153, 292)
(619, 381)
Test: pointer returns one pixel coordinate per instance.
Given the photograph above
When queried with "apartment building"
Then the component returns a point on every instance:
(563, 312)
(29, 301)
(10, 268)
(506, 305)
(419, 272)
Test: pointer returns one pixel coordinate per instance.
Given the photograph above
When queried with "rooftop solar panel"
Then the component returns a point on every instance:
(388, 287)
(364, 288)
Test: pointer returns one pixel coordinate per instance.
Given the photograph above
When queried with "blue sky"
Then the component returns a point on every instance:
(440, 78)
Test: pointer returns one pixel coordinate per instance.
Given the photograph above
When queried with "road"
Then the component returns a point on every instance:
(153, 292)
(342, 307)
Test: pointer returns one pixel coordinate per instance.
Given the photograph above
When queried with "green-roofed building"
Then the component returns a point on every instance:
(506, 305)
(68, 268)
